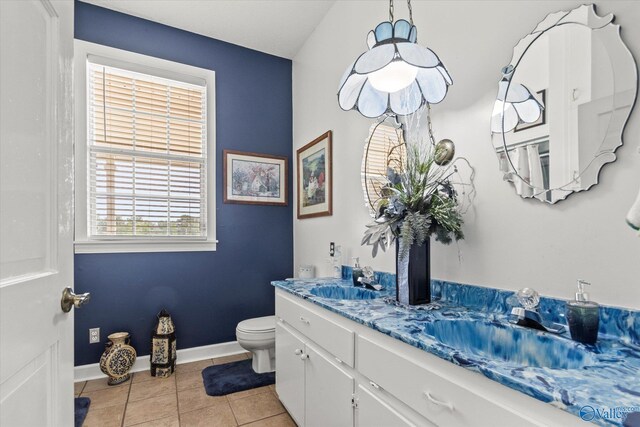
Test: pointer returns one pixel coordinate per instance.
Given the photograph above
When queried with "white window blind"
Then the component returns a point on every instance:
(147, 155)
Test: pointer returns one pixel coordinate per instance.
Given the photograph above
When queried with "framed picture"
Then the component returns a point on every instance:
(541, 96)
(258, 179)
(315, 183)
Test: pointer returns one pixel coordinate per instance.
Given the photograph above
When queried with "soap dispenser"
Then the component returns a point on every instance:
(356, 272)
(337, 262)
(583, 316)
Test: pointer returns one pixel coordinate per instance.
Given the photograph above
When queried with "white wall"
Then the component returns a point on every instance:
(510, 242)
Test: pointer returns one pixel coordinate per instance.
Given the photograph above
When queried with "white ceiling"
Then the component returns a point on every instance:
(278, 27)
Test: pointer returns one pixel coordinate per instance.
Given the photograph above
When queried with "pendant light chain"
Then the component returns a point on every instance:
(391, 11)
(429, 126)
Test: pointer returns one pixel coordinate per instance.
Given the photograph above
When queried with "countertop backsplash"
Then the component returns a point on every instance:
(616, 322)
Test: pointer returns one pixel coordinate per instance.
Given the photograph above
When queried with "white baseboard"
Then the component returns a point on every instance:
(186, 355)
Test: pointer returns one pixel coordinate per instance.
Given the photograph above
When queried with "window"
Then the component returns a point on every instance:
(145, 142)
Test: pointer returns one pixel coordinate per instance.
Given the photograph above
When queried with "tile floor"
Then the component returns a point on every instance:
(180, 400)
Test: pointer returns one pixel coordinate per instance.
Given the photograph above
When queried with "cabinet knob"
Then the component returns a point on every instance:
(298, 352)
(303, 320)
(438, 402)
(304, 356)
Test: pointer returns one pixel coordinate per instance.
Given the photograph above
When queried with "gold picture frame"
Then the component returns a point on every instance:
(315, 180)
(255, 179)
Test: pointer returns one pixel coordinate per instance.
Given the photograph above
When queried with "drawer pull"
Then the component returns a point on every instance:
(303, 320)
(338, 360)
(374, 385)
(298, 352)
(438, 402)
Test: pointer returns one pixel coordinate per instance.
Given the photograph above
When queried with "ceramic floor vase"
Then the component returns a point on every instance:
(413, 274)
(163, 346)
(118, 358)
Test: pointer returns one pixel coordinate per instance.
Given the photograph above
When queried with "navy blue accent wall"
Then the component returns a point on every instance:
(207, 293)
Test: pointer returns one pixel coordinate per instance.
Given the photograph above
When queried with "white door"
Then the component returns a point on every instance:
(329, 391)
(290, 372)
(36, 212)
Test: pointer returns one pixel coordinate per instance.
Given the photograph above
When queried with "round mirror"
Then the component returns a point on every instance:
(562, 104)
(384, 149)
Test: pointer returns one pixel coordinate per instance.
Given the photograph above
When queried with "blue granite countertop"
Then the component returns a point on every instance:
(597, 380)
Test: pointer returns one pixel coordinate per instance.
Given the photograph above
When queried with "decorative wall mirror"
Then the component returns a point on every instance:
(563, 103)
(384, 148)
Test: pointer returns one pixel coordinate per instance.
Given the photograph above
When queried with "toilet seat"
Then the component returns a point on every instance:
(258, 326)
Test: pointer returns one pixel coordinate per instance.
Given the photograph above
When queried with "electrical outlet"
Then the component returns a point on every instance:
(94, 335)
(332, 249)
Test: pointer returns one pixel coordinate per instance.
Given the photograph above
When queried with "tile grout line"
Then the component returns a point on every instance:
(232, 411)
(258, 419)
(175, 379)
(126, 403)
(226, 398)
(189, 388)
(262, 419)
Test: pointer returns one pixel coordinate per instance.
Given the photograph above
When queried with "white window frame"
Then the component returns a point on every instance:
(153, 66)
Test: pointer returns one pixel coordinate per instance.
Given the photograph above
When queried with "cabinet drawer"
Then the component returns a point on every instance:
(434, 397)
(375, 412)
(334, 338)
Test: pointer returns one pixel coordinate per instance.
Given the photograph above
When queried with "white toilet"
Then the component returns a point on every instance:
(258, 336)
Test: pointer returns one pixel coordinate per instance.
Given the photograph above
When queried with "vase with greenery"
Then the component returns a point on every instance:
(417, 200)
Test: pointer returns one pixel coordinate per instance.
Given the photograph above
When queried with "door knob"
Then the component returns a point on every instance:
(69, 299)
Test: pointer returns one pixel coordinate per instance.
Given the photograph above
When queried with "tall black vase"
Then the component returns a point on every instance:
(413, 274)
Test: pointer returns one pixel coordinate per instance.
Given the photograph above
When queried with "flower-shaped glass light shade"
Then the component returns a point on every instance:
(519, 106)
(396, 75)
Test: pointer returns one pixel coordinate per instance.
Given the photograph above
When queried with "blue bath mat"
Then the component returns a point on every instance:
(81, 409)
(233, 377)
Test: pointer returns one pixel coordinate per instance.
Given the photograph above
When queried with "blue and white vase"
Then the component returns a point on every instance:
(118, 358)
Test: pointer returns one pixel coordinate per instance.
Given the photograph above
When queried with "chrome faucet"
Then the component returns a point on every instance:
(368, 279)
(528, 315)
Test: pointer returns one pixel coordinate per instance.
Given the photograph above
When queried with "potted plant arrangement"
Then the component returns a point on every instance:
(417, 200)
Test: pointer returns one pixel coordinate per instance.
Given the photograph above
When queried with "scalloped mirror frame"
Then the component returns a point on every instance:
(584, 15)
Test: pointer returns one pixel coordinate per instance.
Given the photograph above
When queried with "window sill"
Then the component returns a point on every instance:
(120, 246)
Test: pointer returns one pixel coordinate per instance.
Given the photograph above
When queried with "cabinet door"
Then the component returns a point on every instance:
(374, 412)
(329, 391)
(290, 372)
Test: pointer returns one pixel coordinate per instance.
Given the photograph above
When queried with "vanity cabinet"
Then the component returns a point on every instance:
(331, 371)
(315, 386)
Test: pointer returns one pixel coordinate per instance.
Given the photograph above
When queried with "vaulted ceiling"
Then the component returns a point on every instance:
(278, 27)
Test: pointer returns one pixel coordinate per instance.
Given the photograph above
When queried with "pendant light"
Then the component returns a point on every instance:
(514, 105)
(396, 75)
